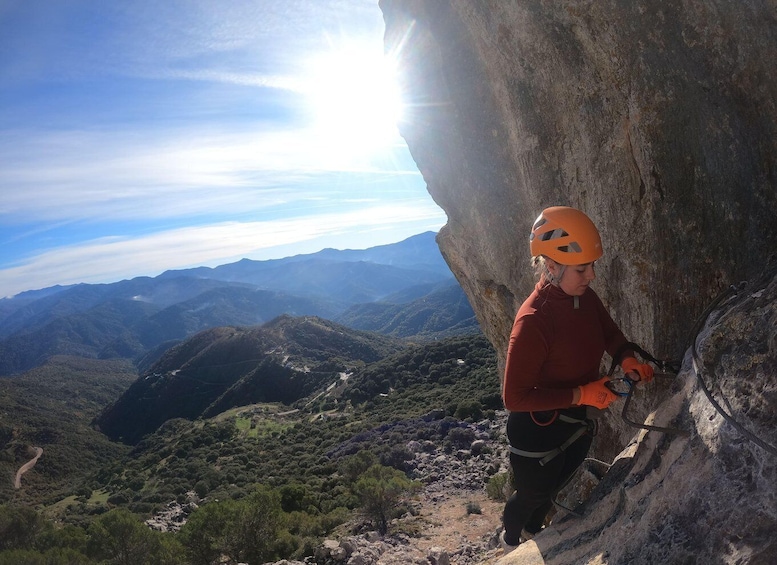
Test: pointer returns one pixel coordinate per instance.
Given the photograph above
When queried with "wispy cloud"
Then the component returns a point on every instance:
(138, 138)
(279, 82)
(141, 38)
(99, 174)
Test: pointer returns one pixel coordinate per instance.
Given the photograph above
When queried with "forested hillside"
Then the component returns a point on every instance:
(304, 464)
(52, 407)
(221, 368)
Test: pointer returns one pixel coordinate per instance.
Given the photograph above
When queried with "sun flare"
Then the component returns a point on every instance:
(354, 98)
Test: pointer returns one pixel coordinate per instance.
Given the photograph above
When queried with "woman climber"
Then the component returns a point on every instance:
(552, 373)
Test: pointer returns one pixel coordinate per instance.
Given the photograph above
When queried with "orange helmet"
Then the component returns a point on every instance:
(566, 235)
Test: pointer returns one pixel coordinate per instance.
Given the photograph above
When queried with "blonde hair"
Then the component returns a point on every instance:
(541, 271)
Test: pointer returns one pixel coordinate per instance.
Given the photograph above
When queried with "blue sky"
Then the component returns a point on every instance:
(139, 136)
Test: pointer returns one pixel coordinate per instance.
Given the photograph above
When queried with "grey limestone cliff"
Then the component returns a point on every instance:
(659, 120)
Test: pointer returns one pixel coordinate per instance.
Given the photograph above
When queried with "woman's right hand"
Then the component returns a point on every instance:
(597, 394)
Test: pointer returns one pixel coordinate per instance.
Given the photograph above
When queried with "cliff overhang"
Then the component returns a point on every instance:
(659, 120)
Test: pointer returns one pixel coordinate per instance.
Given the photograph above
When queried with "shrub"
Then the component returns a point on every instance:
(396, 457)
(119, 498)
(296, 497)
(382, 491)
(354, 466)
(120, 537)
(243, 530)
(459, 438)
(473, 508)
(469, 409)
(201, 489)
(19, 527)
(499, 487)
(56, 556)
(66, 537)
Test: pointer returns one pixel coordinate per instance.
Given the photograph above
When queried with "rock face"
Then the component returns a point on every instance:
(658, 119)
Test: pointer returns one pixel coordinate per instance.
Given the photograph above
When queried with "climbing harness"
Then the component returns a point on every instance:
(546, 456)
(624, 386)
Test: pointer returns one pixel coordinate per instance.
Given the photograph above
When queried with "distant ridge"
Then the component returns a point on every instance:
(138, 319)
(217, 369)
(417, 253)
(444, 311)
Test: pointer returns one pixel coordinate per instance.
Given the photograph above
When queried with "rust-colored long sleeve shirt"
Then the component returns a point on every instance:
(555, 347)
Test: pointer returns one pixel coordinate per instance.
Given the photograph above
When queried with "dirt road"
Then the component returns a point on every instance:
(27, 466)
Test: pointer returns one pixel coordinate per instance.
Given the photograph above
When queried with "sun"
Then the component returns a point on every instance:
(353, 97)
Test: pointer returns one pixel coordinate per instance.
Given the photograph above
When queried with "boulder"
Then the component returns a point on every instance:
(438, 556)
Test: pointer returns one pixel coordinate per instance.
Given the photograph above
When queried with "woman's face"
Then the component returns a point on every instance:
(575, 278)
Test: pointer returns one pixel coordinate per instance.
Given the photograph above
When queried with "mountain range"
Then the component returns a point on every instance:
(288, 375)
(404, 290)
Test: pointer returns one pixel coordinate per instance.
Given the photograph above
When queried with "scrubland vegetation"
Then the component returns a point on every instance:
(270, 479)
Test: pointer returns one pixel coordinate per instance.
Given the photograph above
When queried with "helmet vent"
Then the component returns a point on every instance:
(573, 247)
(555, 234)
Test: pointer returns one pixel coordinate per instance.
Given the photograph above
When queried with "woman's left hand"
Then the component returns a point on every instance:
(637, 371)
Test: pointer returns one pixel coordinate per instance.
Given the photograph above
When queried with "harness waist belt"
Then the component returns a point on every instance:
(547, 456)
(570, 420)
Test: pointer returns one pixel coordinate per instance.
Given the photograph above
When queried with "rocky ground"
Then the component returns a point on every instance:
(454, 522)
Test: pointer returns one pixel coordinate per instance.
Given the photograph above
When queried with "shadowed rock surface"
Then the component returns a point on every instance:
(658, 119)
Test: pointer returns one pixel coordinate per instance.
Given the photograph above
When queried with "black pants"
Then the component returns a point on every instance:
(536, 485)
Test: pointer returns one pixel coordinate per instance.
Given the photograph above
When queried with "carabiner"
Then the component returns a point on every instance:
(621, 386)
(624, 386)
